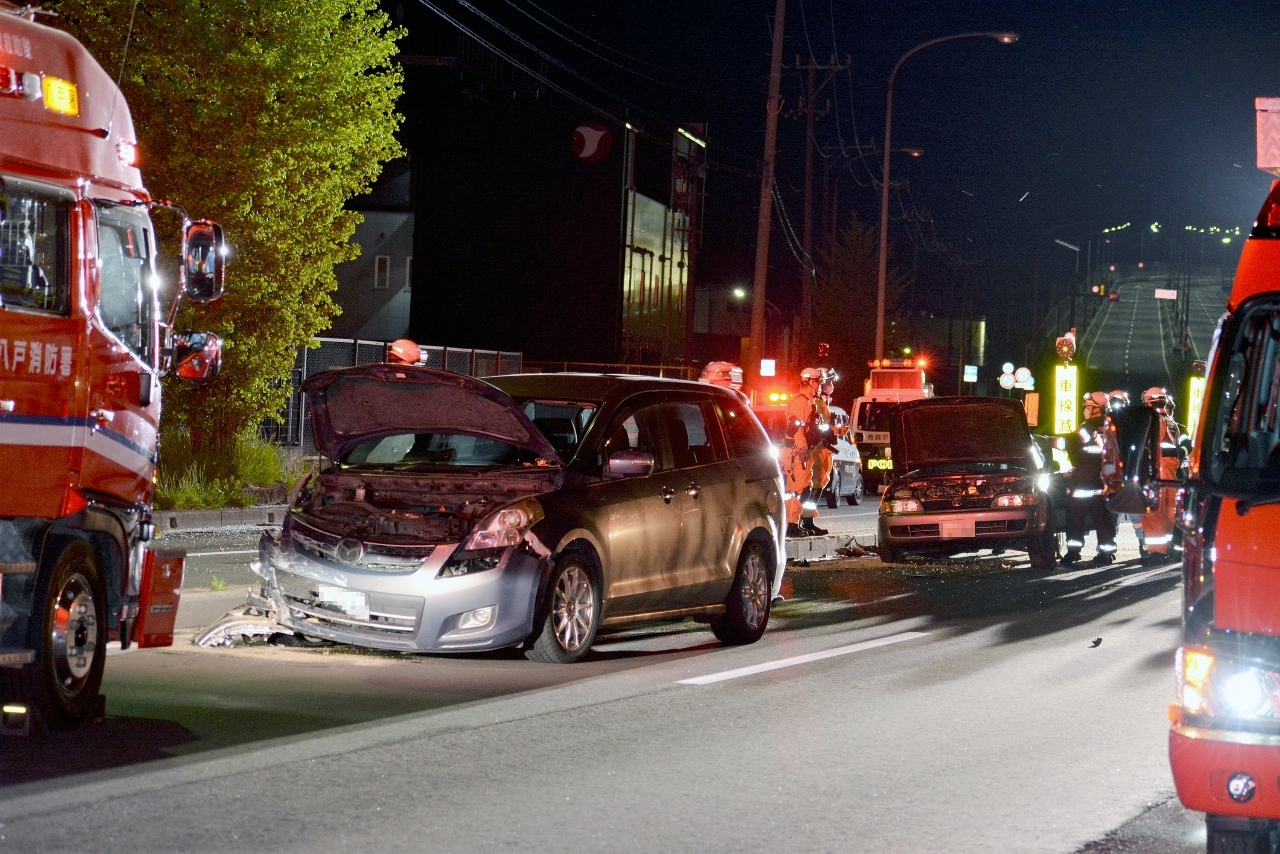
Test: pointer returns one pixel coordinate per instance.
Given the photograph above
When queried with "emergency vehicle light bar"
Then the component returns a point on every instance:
(899, 363)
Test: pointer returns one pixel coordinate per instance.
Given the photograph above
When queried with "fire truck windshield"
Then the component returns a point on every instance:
(1242, 451)
(126, 305)
(35, 247)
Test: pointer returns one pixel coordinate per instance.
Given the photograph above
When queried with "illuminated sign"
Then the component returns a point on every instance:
(1195, 399)
(61, 96)
(884, 465)
(971, 373)
(768, 367)
(1065, 399)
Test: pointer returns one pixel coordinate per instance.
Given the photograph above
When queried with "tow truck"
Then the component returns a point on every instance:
(892, 381)
(83, 343)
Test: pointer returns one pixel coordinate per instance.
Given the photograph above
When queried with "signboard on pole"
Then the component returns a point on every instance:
(1166, 293)
(971, 373)
(1066, 397)
(1031, 403)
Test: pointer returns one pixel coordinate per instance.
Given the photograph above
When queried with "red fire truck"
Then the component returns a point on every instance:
(83, 342)
(1224, 743)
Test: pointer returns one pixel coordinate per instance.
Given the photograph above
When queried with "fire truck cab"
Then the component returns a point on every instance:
(83, 342)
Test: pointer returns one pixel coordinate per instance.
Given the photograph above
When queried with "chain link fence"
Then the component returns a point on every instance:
(292, 429)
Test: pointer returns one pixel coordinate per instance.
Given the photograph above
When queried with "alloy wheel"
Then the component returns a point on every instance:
(573, 608)
(755, 590)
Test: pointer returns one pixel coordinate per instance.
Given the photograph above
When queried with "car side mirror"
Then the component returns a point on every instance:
(1130, 453)
(629, 464)
(197, 355)
(204, 261)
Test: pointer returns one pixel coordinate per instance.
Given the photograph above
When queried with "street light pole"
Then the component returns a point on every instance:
(1003, 38)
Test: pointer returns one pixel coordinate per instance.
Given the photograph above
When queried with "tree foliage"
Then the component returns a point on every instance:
(844, 299)
(267, 116)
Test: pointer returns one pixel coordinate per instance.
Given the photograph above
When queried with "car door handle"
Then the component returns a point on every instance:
(693, 490)
(667, 494)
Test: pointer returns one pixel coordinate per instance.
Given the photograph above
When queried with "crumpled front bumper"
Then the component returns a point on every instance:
(409, 611)
(960, 529)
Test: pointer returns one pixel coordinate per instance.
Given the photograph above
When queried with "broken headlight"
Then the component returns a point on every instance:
(467, 562)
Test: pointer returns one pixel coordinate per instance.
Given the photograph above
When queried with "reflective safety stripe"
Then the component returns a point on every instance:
(1107, 547)
(810, 505)
(1092, 449)
(1075, 544)
(1168, 446)
(1159, 541)
(1085, 493)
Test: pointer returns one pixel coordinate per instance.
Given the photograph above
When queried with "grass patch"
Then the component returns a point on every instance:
(245, 472)
(217, 583)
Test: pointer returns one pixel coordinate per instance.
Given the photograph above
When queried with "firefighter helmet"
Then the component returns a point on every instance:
(1118, 399)
(811, 375)
(403, 352)
(1096, 398)
(1156, 397)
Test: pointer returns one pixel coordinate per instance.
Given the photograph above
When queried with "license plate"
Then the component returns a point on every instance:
(353, 603)
(958, 529)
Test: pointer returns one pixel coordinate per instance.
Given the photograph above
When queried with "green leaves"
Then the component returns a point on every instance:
(267, 116)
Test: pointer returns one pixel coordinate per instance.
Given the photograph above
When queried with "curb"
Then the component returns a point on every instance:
(206, 520)
(814, 548)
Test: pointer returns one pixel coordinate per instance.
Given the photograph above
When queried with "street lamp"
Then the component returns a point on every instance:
(1003, 38)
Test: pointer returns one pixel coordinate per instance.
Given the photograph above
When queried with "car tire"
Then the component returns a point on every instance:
(68, 631)
(1043, 550)
(746, 608)
(854, 498)
(888, 554)
(573, 612)
(833, 490)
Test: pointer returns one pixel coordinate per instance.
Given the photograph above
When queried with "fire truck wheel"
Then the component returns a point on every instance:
(70, 640)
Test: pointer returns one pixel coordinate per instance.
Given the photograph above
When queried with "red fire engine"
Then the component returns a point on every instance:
(82, 345)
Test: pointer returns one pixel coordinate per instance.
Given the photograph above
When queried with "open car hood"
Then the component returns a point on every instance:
(351, 405)
(955, 430)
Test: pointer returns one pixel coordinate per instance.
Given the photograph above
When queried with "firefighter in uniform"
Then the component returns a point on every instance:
(798, 442)
(824, 453)
(1086, 507)
(1159, 523)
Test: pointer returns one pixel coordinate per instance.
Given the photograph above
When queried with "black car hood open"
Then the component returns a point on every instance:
(954, 430)
(351, 405)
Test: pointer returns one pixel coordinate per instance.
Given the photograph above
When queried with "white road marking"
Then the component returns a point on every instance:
(800, 659)
(215, 554)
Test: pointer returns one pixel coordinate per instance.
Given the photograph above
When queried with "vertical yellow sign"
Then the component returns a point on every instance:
(1195, 399)
(1065, 399)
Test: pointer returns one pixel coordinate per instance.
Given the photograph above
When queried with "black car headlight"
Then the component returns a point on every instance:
(469, 562)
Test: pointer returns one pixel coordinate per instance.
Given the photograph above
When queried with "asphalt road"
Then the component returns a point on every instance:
(959, 706)
(1133, 344)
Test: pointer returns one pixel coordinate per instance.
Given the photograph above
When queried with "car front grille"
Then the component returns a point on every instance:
(903, 531)
(386, 557)
(935, 505)
(1000, 526)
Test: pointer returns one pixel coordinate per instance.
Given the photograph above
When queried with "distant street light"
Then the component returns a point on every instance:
(1003, 38)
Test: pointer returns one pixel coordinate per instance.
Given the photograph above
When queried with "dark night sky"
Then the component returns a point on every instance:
(1101, 113)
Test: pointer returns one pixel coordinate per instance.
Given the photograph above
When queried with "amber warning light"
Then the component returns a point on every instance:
(61, 96)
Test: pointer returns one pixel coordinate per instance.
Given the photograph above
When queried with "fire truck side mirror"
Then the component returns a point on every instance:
(204, 261)
(1130, 460)
(197, 355)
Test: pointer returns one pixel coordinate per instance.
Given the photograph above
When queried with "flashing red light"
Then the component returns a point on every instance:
(10, 82)
(922, 363)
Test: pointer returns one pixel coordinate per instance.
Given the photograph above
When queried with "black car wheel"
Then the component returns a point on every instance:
(888, 554)
(746, 609)
(1043, 550)
(68, 631)
(854, 498)
(573, 612)
(833, 489)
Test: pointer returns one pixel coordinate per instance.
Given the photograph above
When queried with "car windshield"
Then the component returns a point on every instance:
(412, 451)
(874, 417)
(1242, 451)
(965, 433)
(562, 422)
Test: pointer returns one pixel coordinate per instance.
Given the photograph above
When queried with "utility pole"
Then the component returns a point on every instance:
(765, 222)
(806, 236)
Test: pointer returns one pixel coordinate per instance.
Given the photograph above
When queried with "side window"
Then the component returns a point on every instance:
(638, 431)
(126, 301)
(694, 441)
(35, 248)
(744, 437)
